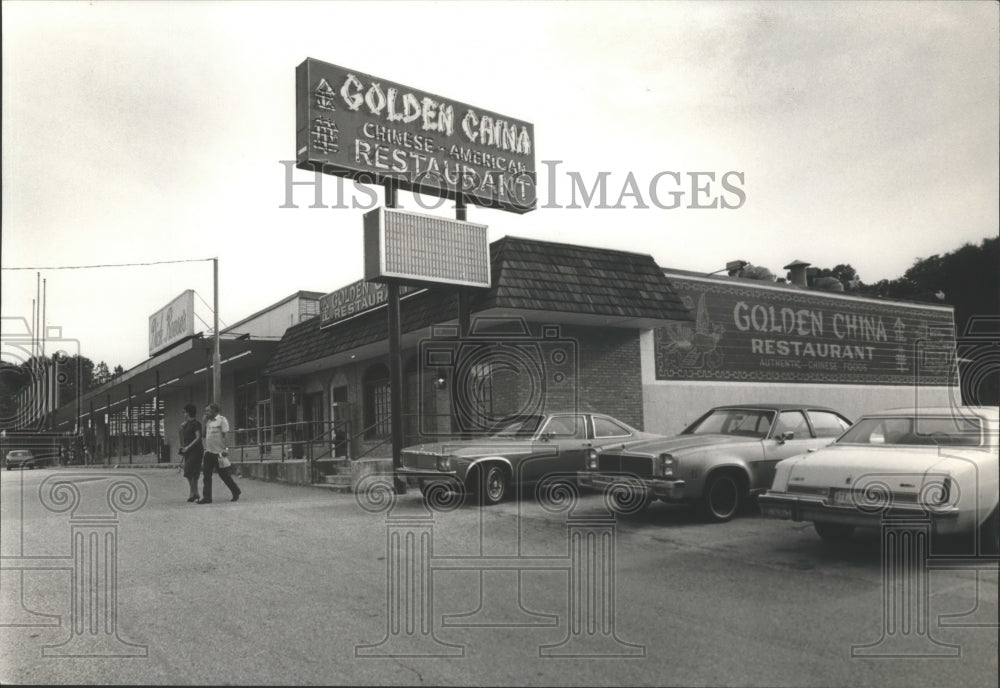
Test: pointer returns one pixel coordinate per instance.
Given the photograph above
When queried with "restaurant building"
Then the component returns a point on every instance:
(306, 384)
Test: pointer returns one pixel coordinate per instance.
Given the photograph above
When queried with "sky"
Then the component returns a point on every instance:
(863, 133)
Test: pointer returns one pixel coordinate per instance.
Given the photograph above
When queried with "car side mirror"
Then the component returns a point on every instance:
(785, 436)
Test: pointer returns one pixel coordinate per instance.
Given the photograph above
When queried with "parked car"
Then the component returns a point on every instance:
(20, 458)
(523, 450)
(934, 463)
(718, 461)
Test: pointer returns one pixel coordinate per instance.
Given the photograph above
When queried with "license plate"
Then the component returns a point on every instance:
(776, 511)
(843, 498)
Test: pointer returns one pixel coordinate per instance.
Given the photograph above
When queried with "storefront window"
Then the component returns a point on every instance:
(246, 413)
(378, 407)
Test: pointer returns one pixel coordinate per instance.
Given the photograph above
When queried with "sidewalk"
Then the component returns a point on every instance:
(136, 461)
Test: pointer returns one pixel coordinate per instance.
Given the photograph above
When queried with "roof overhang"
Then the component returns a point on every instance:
(412, 339)
(185, 365)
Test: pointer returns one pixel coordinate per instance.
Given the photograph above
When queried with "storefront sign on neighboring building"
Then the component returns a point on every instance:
(172, 323)
(355, 125)
(413, 248)
(353, 300)
(750, 333)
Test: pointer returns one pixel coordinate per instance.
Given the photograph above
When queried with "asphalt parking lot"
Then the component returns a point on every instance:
(295, 585)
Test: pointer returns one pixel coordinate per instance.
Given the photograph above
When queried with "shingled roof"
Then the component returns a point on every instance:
(528, 275)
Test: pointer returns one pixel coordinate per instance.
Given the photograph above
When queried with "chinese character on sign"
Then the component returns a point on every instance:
(899, 327)
(324, 135)
(900, 358)
(324, 96)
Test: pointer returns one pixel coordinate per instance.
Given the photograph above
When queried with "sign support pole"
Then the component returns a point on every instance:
(464, 305)
(395, 365)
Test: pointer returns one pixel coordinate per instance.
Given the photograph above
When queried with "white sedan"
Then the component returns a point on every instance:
(937, 464)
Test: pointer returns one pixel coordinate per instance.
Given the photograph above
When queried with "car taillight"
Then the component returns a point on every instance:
(591, 459)
(444, 463)
(945, 495)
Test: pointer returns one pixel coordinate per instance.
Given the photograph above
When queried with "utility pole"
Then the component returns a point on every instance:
(216, 357)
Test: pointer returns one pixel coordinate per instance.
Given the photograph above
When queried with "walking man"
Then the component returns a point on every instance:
(216, 453)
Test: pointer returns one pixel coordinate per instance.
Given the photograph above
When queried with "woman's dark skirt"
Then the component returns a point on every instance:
(192, 464)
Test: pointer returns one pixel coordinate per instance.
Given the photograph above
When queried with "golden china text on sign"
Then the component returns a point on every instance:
(355, 125)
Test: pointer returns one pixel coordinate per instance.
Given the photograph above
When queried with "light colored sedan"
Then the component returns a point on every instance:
(938, 464)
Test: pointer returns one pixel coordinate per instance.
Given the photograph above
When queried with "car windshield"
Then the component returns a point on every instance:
(739, 422)
(915, 431)
(525, 426)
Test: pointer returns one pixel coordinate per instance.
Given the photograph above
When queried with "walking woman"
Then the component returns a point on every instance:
(192, 449)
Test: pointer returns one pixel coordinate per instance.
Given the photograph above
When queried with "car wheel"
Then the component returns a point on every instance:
(833, 532)
(491, 484)
(989, 533)
(722, 497)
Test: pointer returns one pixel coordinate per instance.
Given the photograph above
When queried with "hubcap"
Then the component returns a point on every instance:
(724, 497)
(494, 483)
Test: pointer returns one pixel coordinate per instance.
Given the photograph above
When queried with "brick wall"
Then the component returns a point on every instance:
(562, 369)
(586, 369)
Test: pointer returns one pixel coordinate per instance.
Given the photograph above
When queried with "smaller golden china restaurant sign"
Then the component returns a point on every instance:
(353, 300)
(373, 130)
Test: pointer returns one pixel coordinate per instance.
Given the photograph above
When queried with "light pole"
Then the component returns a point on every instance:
(216, 358)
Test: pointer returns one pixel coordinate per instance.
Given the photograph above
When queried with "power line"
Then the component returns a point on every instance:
(111, 265)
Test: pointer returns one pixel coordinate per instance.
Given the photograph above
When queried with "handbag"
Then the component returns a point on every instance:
(224, 461)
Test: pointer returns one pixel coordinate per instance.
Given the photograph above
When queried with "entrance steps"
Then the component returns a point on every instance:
(338, 478)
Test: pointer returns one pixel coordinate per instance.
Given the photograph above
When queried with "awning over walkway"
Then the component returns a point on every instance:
(185, 365)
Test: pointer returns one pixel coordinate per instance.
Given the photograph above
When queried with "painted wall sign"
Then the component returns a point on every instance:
(355, 125)
(353, 300)
(172, 323)
(744, 332)
(413, 248)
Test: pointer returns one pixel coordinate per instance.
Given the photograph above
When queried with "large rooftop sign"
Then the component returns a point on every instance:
(172, 323)
(411, 248)
(355, 125)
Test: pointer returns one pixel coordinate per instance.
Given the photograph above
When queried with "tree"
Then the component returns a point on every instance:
(101, 374)
(76, 375)
(844, 272)
(119, 371)
(968, 279)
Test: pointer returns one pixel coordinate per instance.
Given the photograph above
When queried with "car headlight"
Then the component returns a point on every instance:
(444, 464)
(592, 459)
(666, 464)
